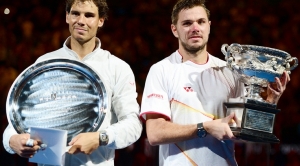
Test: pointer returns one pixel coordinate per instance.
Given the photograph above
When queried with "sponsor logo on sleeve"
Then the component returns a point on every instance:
(153, 95)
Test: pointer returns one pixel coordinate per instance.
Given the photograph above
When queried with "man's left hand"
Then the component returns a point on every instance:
(276, 89)
(84, 143)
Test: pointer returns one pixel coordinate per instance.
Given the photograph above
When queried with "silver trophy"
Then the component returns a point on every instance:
(58, 93)
(256, 67)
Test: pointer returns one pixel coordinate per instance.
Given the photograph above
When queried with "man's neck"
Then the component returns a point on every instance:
(200, 57)
(82, 49)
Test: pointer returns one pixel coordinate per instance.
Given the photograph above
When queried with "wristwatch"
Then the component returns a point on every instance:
(201, 132)
(103, 138)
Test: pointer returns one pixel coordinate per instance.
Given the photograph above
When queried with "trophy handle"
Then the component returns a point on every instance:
(231, 54)
(223, 49)
(295, 64)
(234, 47)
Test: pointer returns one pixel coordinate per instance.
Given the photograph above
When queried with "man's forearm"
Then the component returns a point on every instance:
(125, 132)
(161, 131)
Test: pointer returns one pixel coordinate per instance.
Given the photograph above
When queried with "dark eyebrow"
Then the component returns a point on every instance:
(87, 13)
(183, 21)
(74, 11)
(203, 19)
(200, 19)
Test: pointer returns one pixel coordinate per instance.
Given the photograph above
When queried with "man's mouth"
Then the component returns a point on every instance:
(195, 37)
(80, 29)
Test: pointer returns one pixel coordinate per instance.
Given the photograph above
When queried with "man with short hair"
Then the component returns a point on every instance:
(121, 126)
(183, 98)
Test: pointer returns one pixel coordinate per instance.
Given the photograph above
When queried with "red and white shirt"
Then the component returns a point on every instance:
(189, 93)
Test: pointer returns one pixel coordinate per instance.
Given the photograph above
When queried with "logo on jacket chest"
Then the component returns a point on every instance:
(188, 89)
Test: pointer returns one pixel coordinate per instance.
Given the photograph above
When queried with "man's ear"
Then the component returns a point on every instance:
(209, 26)
(101, 22)
(174, 30)
(67, 17)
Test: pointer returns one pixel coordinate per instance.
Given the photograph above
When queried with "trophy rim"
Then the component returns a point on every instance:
(54, 64)
(267, 50)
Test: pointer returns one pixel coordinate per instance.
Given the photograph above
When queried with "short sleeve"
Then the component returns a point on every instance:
(155, 98)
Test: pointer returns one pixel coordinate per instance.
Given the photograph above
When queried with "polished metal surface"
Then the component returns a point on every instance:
(257, 66)
(58, 93)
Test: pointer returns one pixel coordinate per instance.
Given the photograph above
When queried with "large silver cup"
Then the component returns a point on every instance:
(256, 67)
(58, 93)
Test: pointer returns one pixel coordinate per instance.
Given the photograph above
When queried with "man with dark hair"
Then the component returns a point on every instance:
(121, 126)
(184, 93)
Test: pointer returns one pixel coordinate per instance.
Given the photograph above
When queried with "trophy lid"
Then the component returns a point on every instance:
(58, 93)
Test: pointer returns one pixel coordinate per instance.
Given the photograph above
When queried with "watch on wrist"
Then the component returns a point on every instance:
(201, 132)
(103, 138)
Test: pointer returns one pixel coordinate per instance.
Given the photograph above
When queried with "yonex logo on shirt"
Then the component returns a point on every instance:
(155, 95)
(188, 89)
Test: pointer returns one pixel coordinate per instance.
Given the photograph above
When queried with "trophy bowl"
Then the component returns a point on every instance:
(256, 67)
(57, 93)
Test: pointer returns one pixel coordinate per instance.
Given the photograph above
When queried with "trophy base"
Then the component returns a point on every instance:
(254, 120)
(254, 136)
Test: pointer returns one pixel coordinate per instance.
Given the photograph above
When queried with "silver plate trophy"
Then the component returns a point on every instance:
(256, 67)
(60, 94)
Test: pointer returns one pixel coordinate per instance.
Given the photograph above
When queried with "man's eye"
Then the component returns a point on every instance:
(202, 22)
(75, 14)
(186, 24)
(89, 15)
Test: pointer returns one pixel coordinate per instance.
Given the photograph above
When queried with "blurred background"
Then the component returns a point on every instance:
(139, 33)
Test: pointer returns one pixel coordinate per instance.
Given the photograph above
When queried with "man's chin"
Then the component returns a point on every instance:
(79, 39)
(195, 48)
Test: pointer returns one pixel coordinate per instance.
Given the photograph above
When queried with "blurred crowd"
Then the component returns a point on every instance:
(139, 33)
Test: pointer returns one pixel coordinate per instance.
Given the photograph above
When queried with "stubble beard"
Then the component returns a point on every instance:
(193, 49)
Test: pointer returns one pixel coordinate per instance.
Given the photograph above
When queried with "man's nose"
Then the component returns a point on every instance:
(81, 19)
(195, 27)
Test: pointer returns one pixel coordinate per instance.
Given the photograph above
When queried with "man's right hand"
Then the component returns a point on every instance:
(18, 144)
(219, 128)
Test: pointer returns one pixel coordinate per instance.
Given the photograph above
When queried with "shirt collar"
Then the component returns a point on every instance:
(67, 44)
